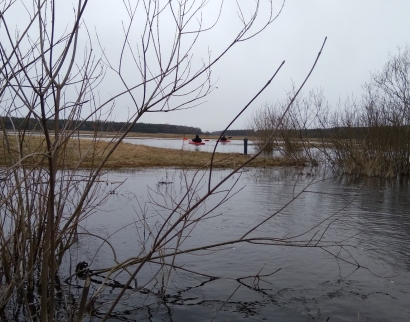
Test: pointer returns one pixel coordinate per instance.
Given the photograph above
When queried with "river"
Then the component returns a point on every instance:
(358, 271)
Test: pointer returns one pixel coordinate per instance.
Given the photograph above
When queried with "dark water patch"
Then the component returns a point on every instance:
(360, 272)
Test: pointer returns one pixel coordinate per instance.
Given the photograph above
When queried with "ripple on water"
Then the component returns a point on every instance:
(311, 285)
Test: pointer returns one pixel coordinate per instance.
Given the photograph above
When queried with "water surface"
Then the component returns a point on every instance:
(234, 146)
(353, 262)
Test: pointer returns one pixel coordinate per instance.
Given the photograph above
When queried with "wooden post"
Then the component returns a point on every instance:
(245, 146)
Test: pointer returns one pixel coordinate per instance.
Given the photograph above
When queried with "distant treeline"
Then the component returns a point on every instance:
(349, 132)
(339, 132)
(31, 124)
(311, 133)
(303, 133)
(233, 133)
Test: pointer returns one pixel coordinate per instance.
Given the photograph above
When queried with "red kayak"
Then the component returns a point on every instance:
(196, 143)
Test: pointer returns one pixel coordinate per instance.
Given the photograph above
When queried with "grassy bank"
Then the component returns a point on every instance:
(129, 156)
(87, 154)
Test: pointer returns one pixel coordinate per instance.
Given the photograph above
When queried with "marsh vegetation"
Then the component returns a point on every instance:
(87, 153)
(368, 136)
(58, 74)
(55, 70)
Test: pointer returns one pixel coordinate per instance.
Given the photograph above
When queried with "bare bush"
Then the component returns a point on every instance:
(292, 140)
(262, 122)
(53, 74)
(372, 136)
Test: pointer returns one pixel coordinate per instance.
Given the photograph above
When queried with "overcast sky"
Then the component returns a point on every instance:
(361, 35)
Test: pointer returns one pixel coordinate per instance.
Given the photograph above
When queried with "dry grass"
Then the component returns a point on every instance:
(89, 154)
(129, 156)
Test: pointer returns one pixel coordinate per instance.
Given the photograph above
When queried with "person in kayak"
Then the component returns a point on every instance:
(197, 139)
(223, 138)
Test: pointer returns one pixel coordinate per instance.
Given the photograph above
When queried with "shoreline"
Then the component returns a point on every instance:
(87, 154)
(135, 156)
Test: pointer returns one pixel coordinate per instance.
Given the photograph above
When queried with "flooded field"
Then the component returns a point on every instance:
(234, 146)
(336, 249)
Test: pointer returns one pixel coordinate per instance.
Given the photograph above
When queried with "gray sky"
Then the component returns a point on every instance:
(361, 34)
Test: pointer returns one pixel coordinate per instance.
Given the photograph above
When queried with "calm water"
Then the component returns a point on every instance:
(360, 273)
(235, 146)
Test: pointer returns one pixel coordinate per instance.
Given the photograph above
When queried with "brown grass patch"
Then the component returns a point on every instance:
(130, 155)
(89, 154)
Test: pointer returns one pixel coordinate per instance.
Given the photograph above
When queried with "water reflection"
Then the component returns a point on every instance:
(235, 146)
(369, 216)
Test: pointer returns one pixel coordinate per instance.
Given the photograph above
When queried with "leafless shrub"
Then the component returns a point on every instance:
(51, 77)
(262, 122)
(372, 136)
(292, 140)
